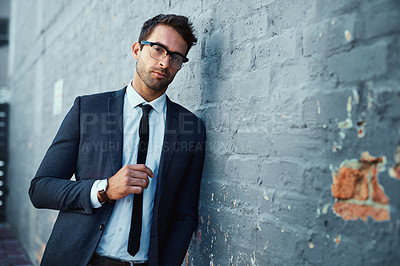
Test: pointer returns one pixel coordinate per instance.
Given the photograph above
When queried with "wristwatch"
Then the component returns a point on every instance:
(102, 190)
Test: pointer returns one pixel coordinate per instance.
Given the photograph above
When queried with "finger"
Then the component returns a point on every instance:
(144, 183)
(138, 174)
(134, 190)
(141, 167)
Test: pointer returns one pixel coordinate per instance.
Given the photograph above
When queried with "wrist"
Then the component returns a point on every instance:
(102, 192)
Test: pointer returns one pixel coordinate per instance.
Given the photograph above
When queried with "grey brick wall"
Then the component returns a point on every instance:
(272, 81)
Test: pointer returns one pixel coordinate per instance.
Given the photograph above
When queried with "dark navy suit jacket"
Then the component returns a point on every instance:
(89, 146)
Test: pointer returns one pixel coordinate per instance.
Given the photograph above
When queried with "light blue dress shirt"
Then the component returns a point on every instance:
(114, 241)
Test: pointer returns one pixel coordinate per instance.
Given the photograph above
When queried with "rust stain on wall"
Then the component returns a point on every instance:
(395, 170)
(198, 237)
(357, 192)
(187, 258)
(361, 129)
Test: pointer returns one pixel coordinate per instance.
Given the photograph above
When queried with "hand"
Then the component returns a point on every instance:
(130, 179)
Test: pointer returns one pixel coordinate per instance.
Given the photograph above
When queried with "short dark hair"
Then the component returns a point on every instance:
(179, 23)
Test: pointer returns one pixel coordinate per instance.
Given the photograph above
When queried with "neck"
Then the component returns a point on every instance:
(144, 91)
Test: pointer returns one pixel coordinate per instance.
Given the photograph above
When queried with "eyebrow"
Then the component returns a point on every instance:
(163, 46)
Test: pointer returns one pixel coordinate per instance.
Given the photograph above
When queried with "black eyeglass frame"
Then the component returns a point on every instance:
(185, 59)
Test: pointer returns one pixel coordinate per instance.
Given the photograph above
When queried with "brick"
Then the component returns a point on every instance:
(217, 146)
(243, 169)
(349, 69)
(288, 205)
(351, 211)
(53, 9)
(276, 49)
(382, 18)
(252, 143)
(284, 15)
(254, 85)
(237, 60)
(216, 44)
(281, 173)
(293, 146)
(329, 34)
(249, 28)
(378, 195)
(215, 166)
(337, 8)
(359, 181)
(213, 120)
(350, 184)
(290, 75)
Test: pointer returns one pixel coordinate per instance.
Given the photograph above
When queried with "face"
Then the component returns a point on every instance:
(152, 76)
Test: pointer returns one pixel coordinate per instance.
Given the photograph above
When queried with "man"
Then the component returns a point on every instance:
(137, 158)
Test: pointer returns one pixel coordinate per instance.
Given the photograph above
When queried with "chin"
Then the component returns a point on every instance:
(156, 88)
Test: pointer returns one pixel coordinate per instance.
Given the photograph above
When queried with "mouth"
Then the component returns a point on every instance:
(159, 74)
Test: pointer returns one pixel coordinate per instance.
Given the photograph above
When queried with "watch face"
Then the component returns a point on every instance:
(102, 185)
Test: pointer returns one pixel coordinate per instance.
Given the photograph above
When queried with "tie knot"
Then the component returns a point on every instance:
(146, 108)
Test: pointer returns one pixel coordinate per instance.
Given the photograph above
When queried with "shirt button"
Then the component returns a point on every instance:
(101, 227)
(128, 200)
(120, 229)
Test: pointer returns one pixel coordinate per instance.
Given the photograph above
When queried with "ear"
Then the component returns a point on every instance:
(136, 50)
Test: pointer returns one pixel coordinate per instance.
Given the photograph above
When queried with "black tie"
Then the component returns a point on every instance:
(137, 210)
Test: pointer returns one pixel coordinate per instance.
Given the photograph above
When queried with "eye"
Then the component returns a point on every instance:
(158, 49)
(177, 58)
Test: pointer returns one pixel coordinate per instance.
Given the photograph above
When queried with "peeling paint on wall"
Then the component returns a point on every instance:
(325, 209)
(347, 35)
(266, 196)
(336, 147)
(357, 192)
(361, 129)
(337, 239)
(356, 96)
(370, 86)
(346, 124)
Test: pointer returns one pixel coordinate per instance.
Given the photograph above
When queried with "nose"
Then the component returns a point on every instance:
(164, 63)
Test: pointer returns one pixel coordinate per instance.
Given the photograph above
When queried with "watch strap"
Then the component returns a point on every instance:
(102, 191)
(103, 196)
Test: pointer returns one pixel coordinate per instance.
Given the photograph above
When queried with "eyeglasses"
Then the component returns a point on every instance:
(159, 52)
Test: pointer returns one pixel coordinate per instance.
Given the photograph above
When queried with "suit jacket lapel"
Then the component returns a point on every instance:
(115, 128)
(170, 140)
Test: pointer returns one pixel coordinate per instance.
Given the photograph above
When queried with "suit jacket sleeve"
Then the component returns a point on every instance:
(185, 218)
(51, 187)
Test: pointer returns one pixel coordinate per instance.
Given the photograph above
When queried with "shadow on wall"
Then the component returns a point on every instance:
(211, 54)
(212, 50)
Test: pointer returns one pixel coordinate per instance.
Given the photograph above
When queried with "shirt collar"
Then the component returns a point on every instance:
(135, 99)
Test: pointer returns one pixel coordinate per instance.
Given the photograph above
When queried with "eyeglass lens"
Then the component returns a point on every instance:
(159, 53)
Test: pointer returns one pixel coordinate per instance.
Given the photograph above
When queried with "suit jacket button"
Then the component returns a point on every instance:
(101, 227)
